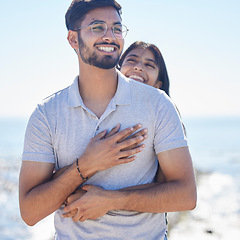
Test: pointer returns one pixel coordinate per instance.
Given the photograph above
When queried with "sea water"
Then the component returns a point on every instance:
(12, 227)
(215, 143)
(215, 148)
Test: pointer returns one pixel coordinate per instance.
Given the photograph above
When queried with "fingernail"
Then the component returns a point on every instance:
(142, 147)
(145, 130)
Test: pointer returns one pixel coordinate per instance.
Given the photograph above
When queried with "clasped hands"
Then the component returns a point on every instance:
(89, 202)
(92, 202)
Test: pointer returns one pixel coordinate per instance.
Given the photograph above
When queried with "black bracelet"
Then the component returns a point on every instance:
(84, 179)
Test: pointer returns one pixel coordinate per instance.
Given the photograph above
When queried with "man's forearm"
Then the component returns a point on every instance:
(59, 172)
(47, 197)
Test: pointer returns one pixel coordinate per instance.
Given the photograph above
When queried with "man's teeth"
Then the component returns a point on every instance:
(137, 77)
(106, 49)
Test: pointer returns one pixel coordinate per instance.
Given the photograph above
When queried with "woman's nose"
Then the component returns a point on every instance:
(138, 66)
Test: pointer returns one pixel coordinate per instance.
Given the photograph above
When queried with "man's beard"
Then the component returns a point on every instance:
(106, 62)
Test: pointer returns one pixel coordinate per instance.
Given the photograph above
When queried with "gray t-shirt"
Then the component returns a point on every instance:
(60, 129)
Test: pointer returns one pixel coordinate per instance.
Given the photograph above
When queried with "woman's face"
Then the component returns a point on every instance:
(141, 66)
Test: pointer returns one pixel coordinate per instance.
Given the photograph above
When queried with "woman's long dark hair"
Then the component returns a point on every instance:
(162, 75)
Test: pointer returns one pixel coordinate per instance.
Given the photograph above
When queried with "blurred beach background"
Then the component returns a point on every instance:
(199, 41)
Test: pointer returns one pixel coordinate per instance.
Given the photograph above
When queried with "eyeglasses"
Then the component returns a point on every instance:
(99, 29)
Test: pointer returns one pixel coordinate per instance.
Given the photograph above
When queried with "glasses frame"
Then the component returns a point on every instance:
(107, 26)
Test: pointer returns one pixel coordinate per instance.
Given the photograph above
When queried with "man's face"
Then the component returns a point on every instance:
(102, 52)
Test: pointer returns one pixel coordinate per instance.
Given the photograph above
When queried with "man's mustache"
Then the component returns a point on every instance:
(106, 43)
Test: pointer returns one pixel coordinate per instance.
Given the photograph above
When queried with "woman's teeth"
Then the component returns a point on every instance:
(135, 77)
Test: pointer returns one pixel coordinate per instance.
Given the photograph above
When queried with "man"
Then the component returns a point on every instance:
(60, 130)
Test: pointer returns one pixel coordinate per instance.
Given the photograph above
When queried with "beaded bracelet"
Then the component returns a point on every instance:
(84, 179)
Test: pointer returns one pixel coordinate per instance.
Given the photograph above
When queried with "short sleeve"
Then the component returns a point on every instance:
(169, 132)
(38, 142)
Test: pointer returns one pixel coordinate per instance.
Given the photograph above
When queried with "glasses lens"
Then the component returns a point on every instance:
(120, 31)
(99, 29)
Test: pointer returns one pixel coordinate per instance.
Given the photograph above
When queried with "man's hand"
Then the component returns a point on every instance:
(106, 151)
(92, 203)
(129, 135)
(72, 198)
(133, 134)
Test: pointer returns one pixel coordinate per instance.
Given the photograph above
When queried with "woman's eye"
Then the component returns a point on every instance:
(130, 60)
(150, 65)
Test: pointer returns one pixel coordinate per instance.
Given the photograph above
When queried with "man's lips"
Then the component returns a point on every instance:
(107, 47)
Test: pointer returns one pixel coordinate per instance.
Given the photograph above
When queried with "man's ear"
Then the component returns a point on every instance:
(158, 84)
(73, 39)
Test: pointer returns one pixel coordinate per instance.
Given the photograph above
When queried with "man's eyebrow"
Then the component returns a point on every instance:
(96, 21)
(100, 21)
(117, 23)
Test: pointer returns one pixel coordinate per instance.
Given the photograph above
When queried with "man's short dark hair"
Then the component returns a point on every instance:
(79, 8)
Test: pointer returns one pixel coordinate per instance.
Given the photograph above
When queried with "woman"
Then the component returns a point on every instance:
(143, 62)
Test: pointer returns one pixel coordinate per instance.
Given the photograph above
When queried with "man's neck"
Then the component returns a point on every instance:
(97, 87)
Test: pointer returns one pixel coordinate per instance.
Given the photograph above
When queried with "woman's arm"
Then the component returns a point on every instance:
(80, 192)
(178, 193)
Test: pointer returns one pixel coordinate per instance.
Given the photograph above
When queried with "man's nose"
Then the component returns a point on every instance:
(109, 34)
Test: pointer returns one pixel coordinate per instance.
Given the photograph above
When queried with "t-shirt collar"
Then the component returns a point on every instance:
(122, 96)
(74, 98)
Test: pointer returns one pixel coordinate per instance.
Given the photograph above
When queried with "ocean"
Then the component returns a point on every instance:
(215, 148)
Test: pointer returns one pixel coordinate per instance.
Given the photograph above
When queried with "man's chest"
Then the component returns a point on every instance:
(72, 134)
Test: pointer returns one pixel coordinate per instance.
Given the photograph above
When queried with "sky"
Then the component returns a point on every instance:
(199, 40)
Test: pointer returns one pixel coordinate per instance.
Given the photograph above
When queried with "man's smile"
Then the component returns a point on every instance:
(106, 49)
